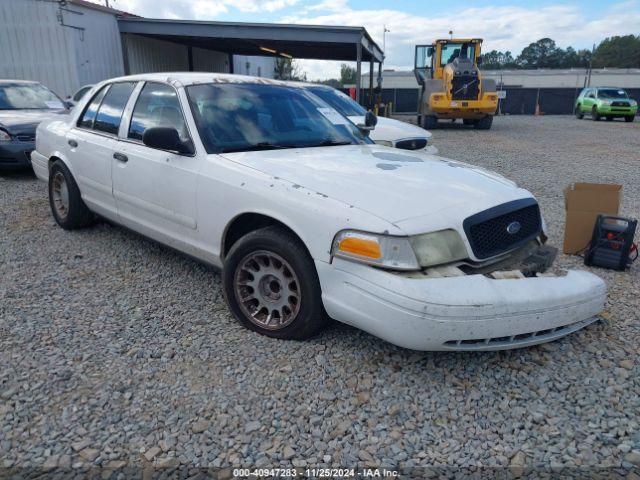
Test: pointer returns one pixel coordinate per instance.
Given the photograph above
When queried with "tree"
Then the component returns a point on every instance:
(288, 69)
(347, 74)
(620, 52)
(495, 60)
(542, 54)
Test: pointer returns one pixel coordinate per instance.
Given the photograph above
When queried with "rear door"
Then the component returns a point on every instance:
(91, 144)
(155, 190)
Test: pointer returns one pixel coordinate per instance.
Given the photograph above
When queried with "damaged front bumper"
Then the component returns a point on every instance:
(469, 312)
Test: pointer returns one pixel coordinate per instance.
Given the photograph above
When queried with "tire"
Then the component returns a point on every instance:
(284, 260)
(579, 114)
(484, 123)
(609, 119)
(67, 206)
(629, 118)
(594, 114)
(468, 121)
(429, 122)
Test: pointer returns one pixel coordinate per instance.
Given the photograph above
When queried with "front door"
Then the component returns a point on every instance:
(155, 190)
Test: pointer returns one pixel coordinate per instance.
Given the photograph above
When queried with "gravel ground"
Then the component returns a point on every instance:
(116, 351)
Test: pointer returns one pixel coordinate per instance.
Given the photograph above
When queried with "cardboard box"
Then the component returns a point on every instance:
(583, 202)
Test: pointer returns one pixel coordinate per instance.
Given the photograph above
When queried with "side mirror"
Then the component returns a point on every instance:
(166, 138)
(370, 122)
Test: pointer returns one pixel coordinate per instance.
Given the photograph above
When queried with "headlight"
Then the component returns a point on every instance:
(4, 136)
(400, 253)
(633, 103)
(605, 102)
(386, 143)
(436, 248)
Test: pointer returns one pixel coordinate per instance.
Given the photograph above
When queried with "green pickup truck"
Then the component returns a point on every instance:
(607, 102)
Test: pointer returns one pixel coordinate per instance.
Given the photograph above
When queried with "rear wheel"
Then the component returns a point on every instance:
(67, 206)
(579, 114)
(429, 122)
(594, 113)
(468, 121)
(484, 123)
(272, 287)
(629, 118)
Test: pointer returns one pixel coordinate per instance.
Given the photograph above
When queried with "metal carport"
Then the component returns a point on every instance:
(316, 42)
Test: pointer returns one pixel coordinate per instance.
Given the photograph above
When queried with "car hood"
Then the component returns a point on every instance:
(392, 130)
(25, 121)
(384, 181)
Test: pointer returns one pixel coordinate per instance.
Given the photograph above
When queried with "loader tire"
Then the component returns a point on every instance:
(484, 123)
(429, 122)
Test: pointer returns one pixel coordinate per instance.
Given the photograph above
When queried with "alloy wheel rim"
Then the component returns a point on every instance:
(267, 290)
(60, 195)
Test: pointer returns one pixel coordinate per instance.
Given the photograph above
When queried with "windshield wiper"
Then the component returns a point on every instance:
(329, 143)
(255, 147)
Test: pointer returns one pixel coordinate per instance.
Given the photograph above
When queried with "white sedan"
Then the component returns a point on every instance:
(388, 131)
(308, 218)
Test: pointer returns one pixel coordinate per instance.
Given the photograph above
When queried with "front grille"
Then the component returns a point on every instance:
(412, 144)
(464, 87)
(520, 339)
(619, 104)
(503, 228)
(26, 137)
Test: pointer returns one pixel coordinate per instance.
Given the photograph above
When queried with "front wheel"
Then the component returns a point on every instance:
(629, 118)
(272, 287)
(594, 114)
(429, 122)
(579, 114)
(484, 123)
(67, 206)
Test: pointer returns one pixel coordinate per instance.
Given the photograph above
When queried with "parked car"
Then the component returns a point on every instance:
(389, 132)
(23, 105)
(81, 92)
(607, 102)
(308, 218)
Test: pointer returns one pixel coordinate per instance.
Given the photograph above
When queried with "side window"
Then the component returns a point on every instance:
(89, 115)
(157, 106)
(80, 93)
(112, 107)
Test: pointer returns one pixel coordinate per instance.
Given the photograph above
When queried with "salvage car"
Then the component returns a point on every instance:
(389, 132)
(606, 102)
(308, 218)
(23, 105)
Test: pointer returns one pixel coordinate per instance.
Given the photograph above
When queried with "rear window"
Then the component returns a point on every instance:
(112, 106)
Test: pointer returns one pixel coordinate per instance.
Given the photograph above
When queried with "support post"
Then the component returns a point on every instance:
(190, 58)
(358, 70)
(371, 82)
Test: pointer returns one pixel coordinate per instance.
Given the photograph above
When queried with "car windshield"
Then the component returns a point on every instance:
(612, 93)
(338, 100)
(23, 96)
(244, 116)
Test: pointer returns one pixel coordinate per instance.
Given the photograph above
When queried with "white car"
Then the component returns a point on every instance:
(308, 218)
(388, 132)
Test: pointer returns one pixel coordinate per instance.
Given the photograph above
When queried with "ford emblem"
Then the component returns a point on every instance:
(513, 228)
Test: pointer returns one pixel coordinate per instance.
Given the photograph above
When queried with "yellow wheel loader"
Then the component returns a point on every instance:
(451, 85)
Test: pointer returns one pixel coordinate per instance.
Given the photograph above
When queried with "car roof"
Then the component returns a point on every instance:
(194, 78)
(15, 80)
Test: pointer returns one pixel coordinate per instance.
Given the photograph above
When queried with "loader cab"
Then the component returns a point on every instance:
(430, 60)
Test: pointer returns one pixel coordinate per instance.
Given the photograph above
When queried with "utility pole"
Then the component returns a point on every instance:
(593, 50)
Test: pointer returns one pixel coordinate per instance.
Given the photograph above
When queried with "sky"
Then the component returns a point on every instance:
(503, 24)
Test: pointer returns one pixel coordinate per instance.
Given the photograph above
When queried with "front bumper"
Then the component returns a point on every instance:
(617, 111)
(459, 313)
(15, 154)
(471, 109)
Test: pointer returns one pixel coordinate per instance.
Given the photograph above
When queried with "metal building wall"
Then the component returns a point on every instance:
(146, 54)
(63, 48)
(254, 66)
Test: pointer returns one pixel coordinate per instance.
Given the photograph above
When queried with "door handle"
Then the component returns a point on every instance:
(121, 157)
(72, 143)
